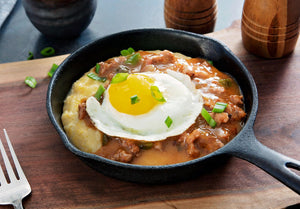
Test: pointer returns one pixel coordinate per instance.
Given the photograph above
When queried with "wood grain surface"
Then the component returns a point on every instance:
(60, 180)
(198, 16)
(270, 28)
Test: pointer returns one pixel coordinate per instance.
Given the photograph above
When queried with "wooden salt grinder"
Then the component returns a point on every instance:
(270, 28)
(197, 16)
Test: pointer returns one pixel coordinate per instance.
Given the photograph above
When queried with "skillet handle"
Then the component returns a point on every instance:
(274, 163)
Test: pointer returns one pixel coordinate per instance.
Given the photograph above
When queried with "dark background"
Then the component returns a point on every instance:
(18, 36)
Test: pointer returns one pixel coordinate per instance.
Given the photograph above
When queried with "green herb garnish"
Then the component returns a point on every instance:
(96, 77)
(134, 59)
(52, 70)
(105, 140)
(119, 77)
(210, 62)
(146, 145)
(97, 69)
(156, 94)
(134, 99)
(168, 121)
(126, 52)
(30, 56)
(208, 118)
(219, 107)
(48, 51)
(226, 82)
(30, 81)
(99, 92)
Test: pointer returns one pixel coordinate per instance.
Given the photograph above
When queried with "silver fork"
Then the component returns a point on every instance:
(13, 191)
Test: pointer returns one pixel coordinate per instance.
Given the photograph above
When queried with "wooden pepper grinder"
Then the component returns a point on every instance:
(198, 16)
(270, 28)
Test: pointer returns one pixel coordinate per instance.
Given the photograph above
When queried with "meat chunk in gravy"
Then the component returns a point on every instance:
(126, 150)
(220, 117)
(236, 99)
(163, 58)
(199, 143)
(235, 112)
(82, 114)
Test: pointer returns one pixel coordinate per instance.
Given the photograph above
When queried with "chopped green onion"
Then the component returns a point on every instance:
(105, 140)
(212, 123)
(168, 121)
(126, 52)
(134, 99)
(208, 118)
(155, 92)
(52, 70)
(210, 62)
(96, 77)
(226, 82)
(219, 107)
(130, 50)
(119, 77)
(30, 81)
(48, 51)
(99, 92)
(97, 68)
(134, 59)
(30, 56)
(146, 145)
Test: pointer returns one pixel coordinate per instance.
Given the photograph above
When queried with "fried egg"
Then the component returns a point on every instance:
(165, 105)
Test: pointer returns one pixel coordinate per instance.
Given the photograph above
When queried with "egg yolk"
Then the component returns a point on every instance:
(136, 85)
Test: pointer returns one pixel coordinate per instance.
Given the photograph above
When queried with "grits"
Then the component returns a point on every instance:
(83, 137)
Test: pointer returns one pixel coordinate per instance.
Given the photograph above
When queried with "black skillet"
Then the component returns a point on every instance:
(244, 145)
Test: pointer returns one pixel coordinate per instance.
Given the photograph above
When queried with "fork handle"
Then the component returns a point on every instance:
(17, 204)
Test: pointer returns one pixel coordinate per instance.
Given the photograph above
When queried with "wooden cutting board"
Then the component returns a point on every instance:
(60, 180)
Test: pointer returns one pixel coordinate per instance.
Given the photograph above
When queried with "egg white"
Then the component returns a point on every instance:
(183, 105)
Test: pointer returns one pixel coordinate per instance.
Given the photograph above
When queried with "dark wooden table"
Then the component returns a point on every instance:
(61, 180)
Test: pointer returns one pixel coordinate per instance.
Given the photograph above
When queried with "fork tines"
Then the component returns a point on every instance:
(15, 188)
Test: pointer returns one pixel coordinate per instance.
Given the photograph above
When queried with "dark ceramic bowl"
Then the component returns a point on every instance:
(60, 18)
(244, 145)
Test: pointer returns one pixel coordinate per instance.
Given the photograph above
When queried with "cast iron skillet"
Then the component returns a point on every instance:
(244, 145)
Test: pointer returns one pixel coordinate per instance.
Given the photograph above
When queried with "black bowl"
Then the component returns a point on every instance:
(244, 145)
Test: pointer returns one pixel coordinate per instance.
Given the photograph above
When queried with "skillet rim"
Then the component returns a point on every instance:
(223, 150)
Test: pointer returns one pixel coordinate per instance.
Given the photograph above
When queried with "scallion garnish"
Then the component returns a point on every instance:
(210, 62)
(155, 92)
(52, 70)
(146, 145)
(30, 81)
(134, 59)
(97, 69)
(134, 99)
(212, 123)
(119, 77)
(126, 52)
(30, 56)
(48, 51)
(96, 77)
(168, 121)
(219, 107)
(130, 50)
(99, 92)
(226, 82)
